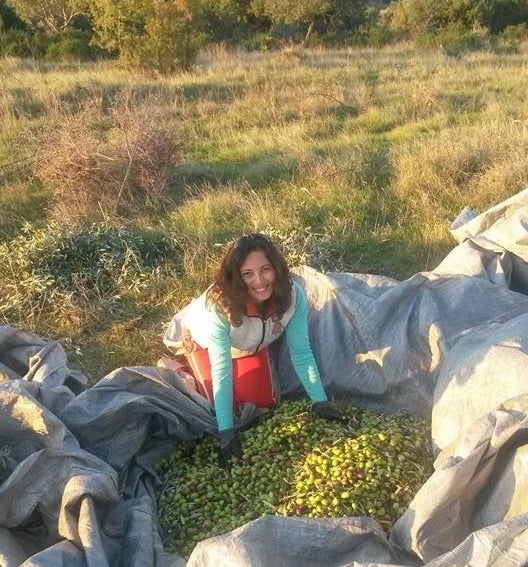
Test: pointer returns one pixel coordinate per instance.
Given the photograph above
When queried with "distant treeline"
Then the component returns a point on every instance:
(168, 34)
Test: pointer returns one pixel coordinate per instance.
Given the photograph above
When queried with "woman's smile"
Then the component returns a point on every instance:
(259, 275)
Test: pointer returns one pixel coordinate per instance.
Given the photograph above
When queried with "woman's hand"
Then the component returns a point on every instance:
(327, 410)
(229, 447)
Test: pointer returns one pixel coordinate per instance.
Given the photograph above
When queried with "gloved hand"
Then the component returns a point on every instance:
(229, 447)
(327, 410)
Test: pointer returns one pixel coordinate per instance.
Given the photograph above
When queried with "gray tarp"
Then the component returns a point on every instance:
(450, 345)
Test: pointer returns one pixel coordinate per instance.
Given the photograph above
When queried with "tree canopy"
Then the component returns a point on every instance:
(167, 34)
(150, 33)
(292, 11)
(53, 15)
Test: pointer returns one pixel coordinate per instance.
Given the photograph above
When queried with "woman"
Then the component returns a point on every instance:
(226, 331)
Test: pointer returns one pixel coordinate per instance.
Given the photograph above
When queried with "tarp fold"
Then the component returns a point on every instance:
(449, 345)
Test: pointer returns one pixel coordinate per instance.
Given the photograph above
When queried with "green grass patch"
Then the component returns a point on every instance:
(351, 159)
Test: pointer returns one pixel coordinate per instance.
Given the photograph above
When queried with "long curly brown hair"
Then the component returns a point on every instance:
(228, 290)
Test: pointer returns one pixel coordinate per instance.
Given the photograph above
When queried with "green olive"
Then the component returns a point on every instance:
(294, 465)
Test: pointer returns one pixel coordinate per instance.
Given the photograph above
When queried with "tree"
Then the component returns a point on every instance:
(417, 17)
(53, 15)
(158, 34)
(223, 20)
(421, 17)
(496, 15)
(293, 11)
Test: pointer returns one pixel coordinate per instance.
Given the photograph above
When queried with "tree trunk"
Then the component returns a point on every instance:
(308, 34)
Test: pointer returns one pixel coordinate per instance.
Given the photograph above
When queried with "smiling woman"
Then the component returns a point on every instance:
(259, 276)
(224, 335)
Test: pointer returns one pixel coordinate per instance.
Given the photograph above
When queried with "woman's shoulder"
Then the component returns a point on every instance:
(203, 313)
(203, 303)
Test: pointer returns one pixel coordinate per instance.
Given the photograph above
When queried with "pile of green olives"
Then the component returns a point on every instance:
(295, 464)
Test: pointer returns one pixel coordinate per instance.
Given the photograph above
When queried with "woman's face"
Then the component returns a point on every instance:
(259, 276)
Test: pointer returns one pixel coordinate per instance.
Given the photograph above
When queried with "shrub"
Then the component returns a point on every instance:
(94, 260)
(54, 275)
(100, 163)
(97, 284)
(155, 35)
(71, 44)
(513, 36)
(455, 40)
(373, 35)
(19, 43)
(307, 247)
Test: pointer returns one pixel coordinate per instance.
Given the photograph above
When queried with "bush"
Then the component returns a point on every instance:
(154, 35)
(9, 19)
(455, 40)
(98, 164)
(72, 45)
(19, 43)
(374, 35)
(96, 260)
(74, 281)
(512, 36)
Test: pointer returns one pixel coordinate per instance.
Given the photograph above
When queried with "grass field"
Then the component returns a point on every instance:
(118, 189)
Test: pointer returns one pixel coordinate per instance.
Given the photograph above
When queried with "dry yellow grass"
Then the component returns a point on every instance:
(356, 159)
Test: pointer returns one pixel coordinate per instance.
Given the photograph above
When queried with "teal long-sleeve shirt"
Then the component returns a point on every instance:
(303, 360)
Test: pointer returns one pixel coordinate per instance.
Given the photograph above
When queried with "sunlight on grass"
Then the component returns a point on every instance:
(352, 159)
